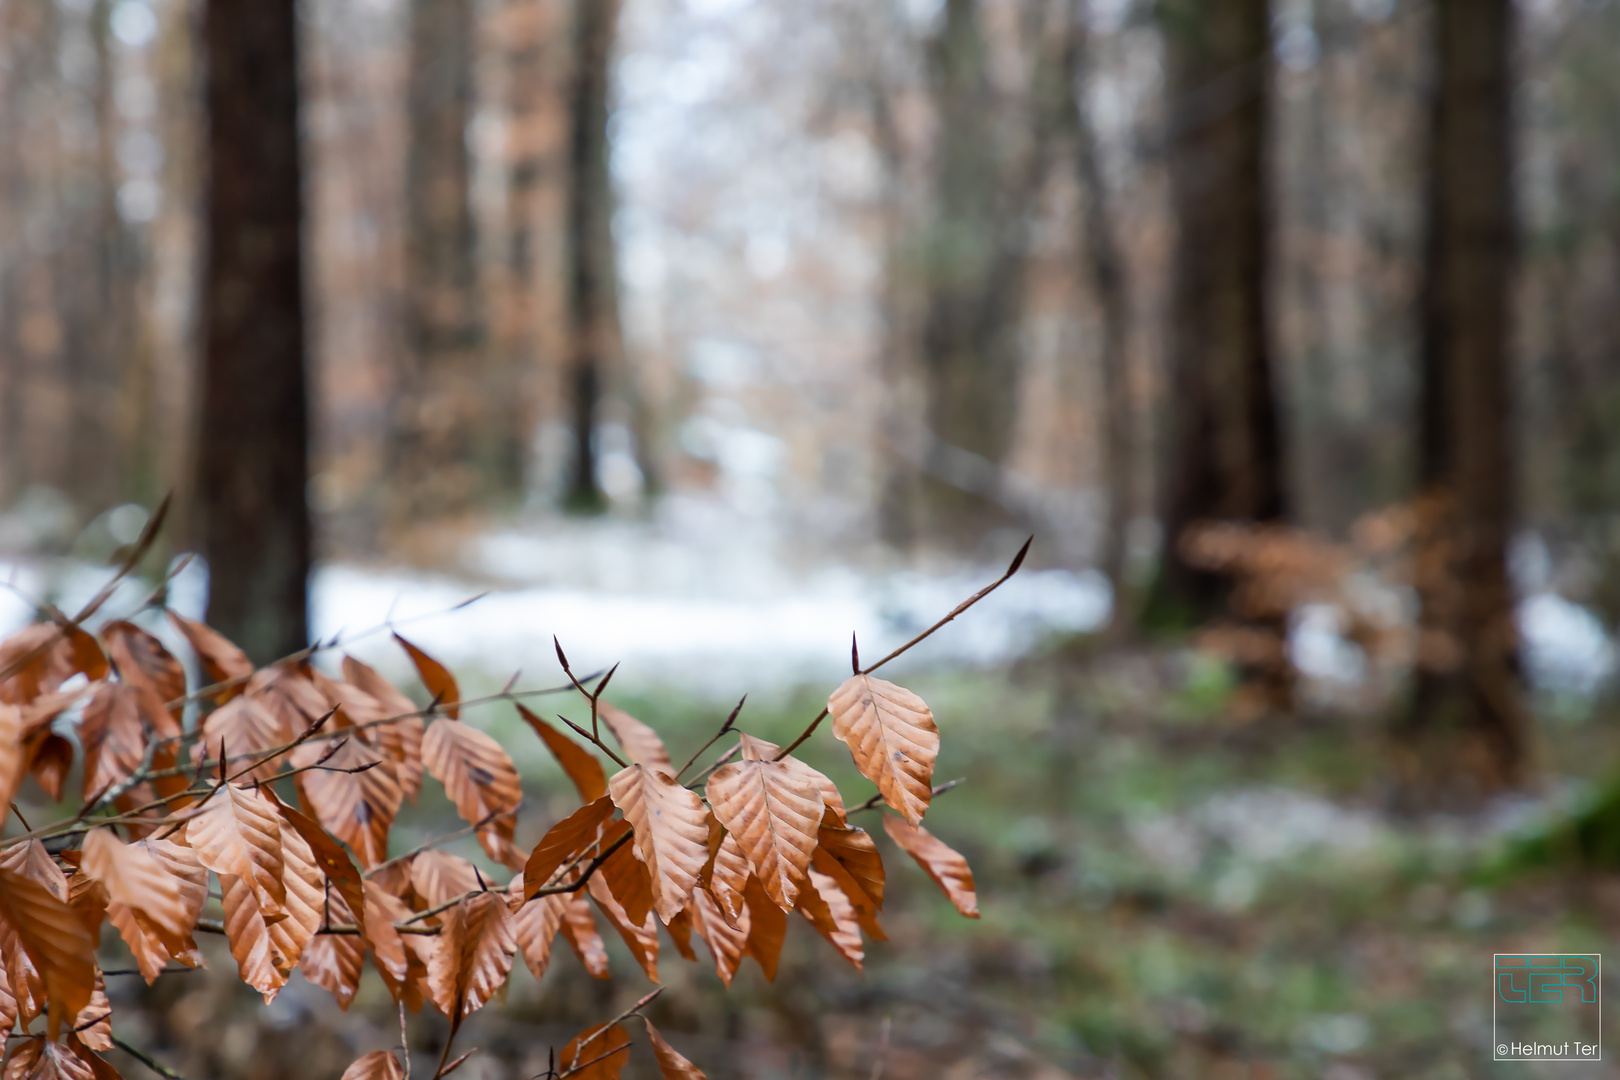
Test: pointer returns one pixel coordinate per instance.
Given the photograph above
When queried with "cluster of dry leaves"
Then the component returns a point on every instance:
(182, 783)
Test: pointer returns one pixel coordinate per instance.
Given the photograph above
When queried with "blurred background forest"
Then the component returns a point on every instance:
(701, 333)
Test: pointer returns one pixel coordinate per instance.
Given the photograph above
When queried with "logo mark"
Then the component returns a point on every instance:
(1543, 979)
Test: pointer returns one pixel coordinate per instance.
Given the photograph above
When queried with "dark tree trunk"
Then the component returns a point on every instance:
(1225, 458)
(252, 452)
(592, 298)
(445, 434)
(1104, 267)
(1467, 730)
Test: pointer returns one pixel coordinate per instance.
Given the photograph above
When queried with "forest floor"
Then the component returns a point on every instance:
(1165, 893)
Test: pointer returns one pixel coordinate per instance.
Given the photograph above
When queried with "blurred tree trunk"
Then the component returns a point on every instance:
(446, 430)
(251, 464)
(592, 295)
(1105, 268)
(1225, 458)
(1466, 731)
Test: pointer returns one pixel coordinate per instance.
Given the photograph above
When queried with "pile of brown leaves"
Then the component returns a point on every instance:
(726, 856)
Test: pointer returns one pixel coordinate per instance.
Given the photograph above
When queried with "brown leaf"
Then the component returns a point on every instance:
(333, 961)
(892, 737)
(8, 999)
(238, 832)
(88, 897)
(626, 876)
(853, 848)
(583, 769)
(640, 938)
(774, 813)
(438, 876)
(479, 777)
(680, 930)
(752, 749)
(134, 878)
(401, 737)
(441, 685)
(730, 875)
(356, 807)
(535, 924)
(289, 695)
(726, 943)
(670, 1063)
(36, 1059)
(114, 731)
(150, 944)
(826, 908)
(596, 1053)
(266, 952)
(333, 861)
(579, 927)
(51, 758)
(93, 1026)
(399, 964)
(142, 660)
(13, 756)
(639, 741)
(948, 868)
(860, 903)
(671, 833)
(219, 658)
(767, 927)
(377, 1065)
(247, 728)
(31, 860)
(473, 957)
(563, 841)
(54, 940)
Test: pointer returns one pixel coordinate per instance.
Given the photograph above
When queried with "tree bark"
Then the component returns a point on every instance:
(1466, 732)
(1226, 457)
(593, 290)
(252, 451)
(445, 441)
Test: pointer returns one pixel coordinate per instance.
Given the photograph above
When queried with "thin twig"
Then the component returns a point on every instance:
(877, 800)
(697, 781)
(437, 841)
(725, 727)
(602, 1030)
(594, 740)
(146, 1059)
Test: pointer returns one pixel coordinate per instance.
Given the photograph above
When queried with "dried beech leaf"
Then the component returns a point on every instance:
(377, 1065)
(333, 861)
(50, 761)
(767, 928)
(853, 848)
(441, 685)
(680, 929)
(892, 737)
(401, 967)
(671, 833)
(54, 939)
(438, 877)
(479, 777)
(774, 812)
(219, 658)
(639, 741)
(113, 732)
(727, 943)
(13, 756)
(266, 952)
(535, 924)
(36, 1059)
(583, 769)
(93, 1026)
(134, 877)
(626, 876)
(860, 903)
(8, 999)
(401, 737)
(752, 749)
(670, 1063)
(948, 868)
(598, 1054)
(826, 908)
(31, 860)
(238, 832)
(142, 660)
(563, 841)
(640, 938)
(333, 961)
(88, 898)
(473, 957)
(150, 944)
(730, 875)
(579, 927)
(247, 728)
(356, 807)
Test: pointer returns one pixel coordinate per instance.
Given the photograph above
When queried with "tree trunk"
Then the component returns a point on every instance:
(443, 453)
(1466, 732)
(252, 451)
(592, 299)
(1104, 267)
(1225, 460)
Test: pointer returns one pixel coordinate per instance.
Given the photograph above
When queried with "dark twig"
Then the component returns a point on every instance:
(877, 800)
(593, 740)
(725, 727)
(603, 1030)
(146, 1059)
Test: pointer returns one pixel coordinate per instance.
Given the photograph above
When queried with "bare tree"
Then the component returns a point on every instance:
(1467, 729)
(1226, 456)
(252, 520)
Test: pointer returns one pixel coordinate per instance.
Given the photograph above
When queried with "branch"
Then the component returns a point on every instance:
(602, 1030)
(146, 1059)
(1018, 560)
(877, 800)
(725, 727)
(428, 845)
